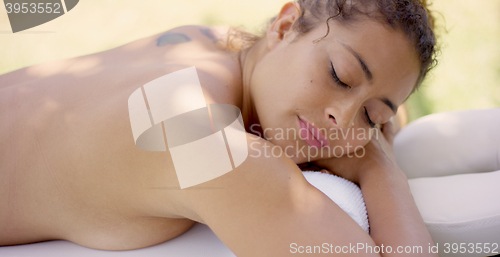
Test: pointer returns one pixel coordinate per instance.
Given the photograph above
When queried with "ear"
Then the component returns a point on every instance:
(281, 28)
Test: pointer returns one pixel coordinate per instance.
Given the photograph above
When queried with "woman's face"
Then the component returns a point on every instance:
(355, 77)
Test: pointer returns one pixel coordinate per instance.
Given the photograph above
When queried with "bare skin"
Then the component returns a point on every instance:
(70, 170)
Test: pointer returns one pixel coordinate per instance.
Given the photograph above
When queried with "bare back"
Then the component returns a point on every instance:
(69, 168)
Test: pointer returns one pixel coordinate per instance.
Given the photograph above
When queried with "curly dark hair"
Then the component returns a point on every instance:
(410, 16)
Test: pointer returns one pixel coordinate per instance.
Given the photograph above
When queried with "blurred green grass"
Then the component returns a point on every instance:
(468, 73)
(467, 77)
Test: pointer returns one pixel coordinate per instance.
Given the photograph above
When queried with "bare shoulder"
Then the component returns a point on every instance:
(264, 205)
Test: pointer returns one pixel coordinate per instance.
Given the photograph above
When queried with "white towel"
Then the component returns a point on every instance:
(344, 193)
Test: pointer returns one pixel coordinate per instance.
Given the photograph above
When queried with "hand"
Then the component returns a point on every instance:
(378, 155)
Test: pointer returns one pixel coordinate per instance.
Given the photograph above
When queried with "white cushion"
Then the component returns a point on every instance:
(452, 161)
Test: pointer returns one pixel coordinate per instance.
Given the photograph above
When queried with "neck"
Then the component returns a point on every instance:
(248, 59)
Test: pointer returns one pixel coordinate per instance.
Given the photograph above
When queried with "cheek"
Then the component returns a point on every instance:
(269, 83)
(287, 76)
(279, 95)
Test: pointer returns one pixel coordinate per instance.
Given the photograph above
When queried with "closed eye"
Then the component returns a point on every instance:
(336, 78)
(370, 122)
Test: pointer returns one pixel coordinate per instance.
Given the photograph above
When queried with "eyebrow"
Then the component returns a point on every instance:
(369, 76)
(389, 103)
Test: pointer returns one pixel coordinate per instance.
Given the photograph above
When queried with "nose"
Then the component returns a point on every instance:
(343, 116)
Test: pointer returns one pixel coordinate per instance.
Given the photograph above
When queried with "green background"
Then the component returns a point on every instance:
(467, 77)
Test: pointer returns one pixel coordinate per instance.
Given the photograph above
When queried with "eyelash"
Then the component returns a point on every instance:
(370, 122)
(336, 78)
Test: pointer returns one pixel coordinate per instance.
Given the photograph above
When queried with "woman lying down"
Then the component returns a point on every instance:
(71, 169)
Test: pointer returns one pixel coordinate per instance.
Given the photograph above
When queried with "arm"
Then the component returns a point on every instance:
(265, 205)
(393, 215)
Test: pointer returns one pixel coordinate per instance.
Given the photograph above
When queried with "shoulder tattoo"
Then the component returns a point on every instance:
(172, 39)
(208, 33)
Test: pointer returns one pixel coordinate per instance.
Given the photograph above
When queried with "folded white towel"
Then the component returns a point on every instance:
(344, 193)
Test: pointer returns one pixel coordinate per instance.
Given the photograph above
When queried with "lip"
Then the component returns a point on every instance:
(312, 135)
